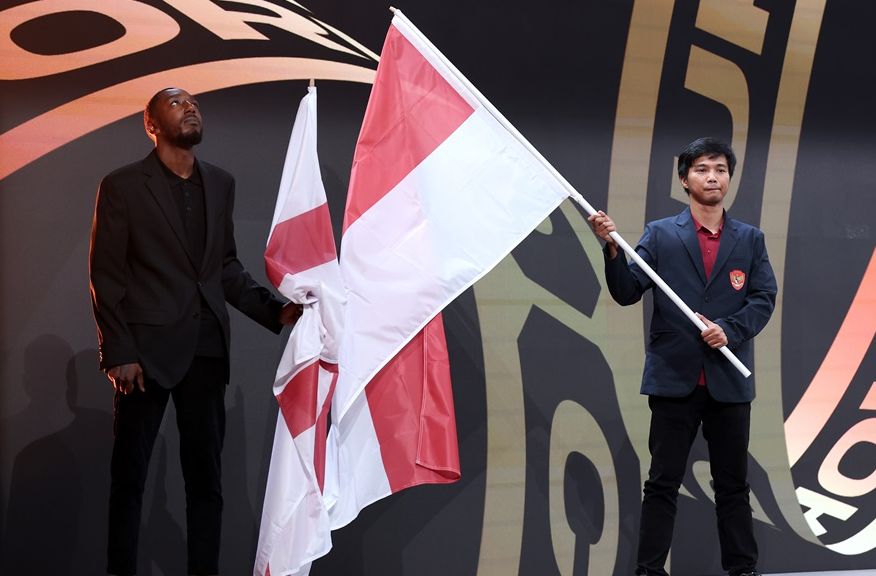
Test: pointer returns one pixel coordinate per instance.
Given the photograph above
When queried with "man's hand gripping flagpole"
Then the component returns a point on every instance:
(576, 196)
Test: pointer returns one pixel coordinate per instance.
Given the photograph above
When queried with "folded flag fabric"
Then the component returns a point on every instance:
(301, 261)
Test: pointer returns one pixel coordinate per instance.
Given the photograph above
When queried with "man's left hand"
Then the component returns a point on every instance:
(713, 335)
(290, 313)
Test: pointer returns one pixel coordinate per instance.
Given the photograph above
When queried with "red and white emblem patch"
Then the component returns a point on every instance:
(737, 279)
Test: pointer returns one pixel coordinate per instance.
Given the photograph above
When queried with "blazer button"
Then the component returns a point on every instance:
(196, 315)
(200, 284)
(708, 298)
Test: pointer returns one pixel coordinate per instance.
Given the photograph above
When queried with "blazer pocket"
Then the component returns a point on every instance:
(151, 317)
(659, 335)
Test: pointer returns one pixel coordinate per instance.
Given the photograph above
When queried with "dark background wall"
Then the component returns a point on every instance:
(552, 429)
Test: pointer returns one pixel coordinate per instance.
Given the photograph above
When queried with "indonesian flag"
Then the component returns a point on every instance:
(301, 261)
(442, 188)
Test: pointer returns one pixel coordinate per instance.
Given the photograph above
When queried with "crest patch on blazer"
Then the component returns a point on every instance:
(737, 279)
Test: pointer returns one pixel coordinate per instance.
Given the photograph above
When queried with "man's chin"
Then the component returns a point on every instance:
(711, 199)
(190, 139)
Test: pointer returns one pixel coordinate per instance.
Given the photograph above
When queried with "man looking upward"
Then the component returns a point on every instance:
(163, 262)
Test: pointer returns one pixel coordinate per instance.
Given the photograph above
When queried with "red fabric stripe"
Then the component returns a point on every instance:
(411, 111)
(298, 400)
(300, 243)
(298, 406)
(411, 403)
(322, 426)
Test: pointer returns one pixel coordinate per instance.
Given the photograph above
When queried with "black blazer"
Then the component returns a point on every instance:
(146, 290)
(739, 295)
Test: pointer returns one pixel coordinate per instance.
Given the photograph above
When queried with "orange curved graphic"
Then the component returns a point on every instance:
(836, 371)
(37, 137)
(829, 474)
(145, 27)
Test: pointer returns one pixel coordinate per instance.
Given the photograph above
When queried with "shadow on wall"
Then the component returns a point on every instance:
(55, 520)
(55, 478)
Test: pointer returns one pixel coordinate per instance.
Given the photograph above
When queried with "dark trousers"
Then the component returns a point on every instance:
(674, 424)
(200, 417)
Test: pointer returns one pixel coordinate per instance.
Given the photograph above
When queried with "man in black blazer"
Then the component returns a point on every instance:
(163, 262)
(720, 267)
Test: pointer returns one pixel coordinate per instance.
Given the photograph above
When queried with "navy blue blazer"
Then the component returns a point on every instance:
(739, 296)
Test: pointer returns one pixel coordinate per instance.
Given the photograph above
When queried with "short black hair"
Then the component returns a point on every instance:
(150, 106)
(708, 147)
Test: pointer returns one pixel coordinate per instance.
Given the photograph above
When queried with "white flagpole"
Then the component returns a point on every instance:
(577, 197)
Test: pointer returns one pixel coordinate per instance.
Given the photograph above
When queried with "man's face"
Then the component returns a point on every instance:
(707, 180)
(176, 119)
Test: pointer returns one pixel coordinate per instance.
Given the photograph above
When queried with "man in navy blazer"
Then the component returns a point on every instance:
(719, 267)
(162, 265)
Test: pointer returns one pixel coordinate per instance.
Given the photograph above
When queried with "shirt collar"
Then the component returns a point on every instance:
(172, 176)
(699, 227)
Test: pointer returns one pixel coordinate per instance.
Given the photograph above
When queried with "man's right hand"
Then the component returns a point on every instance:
(125, 377)
(602, 226)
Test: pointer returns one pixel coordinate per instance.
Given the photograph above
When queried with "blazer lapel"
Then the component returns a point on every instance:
(729, 238)
(688, 236)
(157, 184)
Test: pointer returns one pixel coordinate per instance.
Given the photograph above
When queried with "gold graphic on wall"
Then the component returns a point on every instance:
(505, 298)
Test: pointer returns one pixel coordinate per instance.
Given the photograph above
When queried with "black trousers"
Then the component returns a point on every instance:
(674, 424)
(200, 416)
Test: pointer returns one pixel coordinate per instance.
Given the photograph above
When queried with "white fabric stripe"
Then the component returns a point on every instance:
(300, 286)
(433, 236)
(302, 348)
(301, 188)
(355, 476)
(320, 289)
(294, 529)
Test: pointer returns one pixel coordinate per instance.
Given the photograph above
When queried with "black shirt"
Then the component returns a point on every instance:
(189, 195)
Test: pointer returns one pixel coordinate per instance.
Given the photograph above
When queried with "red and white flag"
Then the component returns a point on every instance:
(442, 188)
(301, 261)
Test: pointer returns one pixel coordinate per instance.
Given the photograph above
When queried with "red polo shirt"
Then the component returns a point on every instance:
(709, 244)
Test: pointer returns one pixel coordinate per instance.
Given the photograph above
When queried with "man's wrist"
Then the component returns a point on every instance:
(610, 250)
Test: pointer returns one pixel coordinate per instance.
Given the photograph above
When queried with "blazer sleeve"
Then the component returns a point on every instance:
(108, 276)
(240, 290)
(760, 299)
(627, 282)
